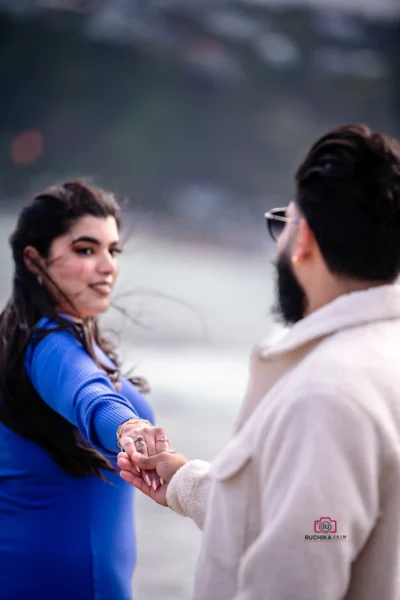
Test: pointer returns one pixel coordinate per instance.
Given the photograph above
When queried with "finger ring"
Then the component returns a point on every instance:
(162, 438)
(138, 438)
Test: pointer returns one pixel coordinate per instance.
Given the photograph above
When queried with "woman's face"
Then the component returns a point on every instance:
(83, 264)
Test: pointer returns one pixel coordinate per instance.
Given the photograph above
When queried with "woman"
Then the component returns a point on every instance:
(66, 518)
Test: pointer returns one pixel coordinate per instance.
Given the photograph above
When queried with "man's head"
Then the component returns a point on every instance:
(342, 231)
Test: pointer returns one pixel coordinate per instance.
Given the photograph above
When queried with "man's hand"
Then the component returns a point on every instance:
(166, 464)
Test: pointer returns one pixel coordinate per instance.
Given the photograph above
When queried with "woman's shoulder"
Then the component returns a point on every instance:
(45, 323)
(48, 323)
(48, 333)
(51, 338)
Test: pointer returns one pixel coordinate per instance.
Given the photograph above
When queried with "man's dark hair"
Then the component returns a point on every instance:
(348, 190)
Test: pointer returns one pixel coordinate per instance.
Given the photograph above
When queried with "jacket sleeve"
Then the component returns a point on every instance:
(319, 461)
(71, 383)
(188, 491)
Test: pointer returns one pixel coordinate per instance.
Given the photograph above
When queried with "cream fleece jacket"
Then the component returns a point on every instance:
(304, 501)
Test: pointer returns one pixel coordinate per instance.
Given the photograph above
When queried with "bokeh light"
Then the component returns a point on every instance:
(27, 147)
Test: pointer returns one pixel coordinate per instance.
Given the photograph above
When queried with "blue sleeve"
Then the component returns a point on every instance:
(71, 383)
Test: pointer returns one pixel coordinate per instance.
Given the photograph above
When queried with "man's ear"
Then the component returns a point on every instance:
(305, 242)
(33, 261)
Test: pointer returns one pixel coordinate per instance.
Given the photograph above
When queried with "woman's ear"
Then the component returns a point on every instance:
(33, 261)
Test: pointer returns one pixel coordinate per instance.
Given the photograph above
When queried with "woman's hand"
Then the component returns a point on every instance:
(166, 464)
(147, 441)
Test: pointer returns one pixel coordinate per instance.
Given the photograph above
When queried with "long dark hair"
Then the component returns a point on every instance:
(48, 216)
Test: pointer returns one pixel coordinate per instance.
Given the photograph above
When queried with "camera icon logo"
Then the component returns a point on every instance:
(325, 525)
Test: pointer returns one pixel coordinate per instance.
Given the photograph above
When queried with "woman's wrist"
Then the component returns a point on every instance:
(133, 421)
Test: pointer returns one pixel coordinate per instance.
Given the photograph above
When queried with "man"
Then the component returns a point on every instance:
(304, 501)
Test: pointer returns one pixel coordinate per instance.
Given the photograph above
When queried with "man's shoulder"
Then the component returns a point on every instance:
(359, 366)
(369, 350)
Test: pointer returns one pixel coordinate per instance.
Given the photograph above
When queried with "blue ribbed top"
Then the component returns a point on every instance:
(61, 536)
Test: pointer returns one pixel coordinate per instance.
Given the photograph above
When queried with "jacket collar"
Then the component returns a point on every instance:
(380, 303)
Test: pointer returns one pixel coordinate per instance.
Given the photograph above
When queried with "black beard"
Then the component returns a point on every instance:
(290, 301)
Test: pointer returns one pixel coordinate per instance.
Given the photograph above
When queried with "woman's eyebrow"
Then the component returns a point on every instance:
(86, 238)
(92, 240)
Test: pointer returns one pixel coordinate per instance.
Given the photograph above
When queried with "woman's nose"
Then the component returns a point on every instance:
(107, 264)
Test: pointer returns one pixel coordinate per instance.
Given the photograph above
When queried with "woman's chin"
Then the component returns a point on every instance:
(96, 309)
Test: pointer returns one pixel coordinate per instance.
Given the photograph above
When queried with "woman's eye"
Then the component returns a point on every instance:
(115, 251)
(85, 251)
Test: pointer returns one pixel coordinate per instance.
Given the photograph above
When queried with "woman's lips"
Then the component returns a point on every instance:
(104, 289)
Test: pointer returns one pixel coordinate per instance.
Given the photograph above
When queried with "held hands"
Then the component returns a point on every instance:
(147, 462)
(147, 440)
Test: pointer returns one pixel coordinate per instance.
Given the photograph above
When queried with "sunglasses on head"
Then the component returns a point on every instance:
(276, 220)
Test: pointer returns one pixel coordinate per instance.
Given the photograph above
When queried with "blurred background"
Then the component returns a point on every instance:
(195, 112)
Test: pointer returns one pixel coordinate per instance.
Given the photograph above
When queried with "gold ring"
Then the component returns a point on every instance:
(162, 438)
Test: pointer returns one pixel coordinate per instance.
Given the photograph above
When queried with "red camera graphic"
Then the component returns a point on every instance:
(325, 525)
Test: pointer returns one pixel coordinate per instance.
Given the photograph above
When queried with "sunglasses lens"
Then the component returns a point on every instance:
(275, 225)
(275, 228)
